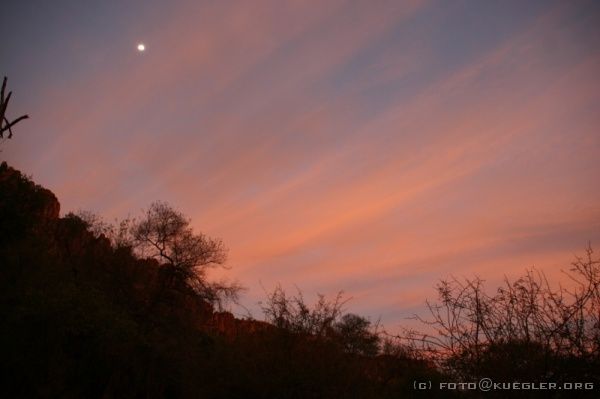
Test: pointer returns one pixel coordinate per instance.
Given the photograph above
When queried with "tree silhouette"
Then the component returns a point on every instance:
(527, 324)
(5, 123)
(356, 335)
(166, 235)
(294, 314)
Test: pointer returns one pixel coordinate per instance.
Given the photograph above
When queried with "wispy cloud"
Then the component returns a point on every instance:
(371, 147)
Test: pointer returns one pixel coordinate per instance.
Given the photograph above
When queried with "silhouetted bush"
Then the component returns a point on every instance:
(526, 331)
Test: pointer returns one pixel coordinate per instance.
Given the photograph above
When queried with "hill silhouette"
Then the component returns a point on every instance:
(85, 318)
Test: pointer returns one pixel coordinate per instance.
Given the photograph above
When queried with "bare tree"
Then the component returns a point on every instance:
(117, 232)
(292, 313)
(467, 325)
(5, 123)
(325, 320)
(166, 235)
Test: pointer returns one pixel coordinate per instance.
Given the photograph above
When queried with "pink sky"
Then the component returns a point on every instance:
(373, 148)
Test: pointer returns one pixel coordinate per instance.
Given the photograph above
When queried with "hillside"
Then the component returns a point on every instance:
(85, 318)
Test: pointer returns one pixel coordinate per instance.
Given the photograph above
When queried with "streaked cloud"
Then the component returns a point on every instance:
(370, 147)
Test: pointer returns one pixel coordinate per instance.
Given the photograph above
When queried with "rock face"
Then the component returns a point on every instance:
(226, 324)
(24, 205)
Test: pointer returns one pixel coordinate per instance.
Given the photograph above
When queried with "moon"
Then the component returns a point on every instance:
(141, 47)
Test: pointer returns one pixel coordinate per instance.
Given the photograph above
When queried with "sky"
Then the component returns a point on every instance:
(373, 147)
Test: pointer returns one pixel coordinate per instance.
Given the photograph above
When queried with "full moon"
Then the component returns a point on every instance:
(141, 47)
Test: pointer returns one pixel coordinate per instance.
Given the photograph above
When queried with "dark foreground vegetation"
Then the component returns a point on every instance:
(93, 310)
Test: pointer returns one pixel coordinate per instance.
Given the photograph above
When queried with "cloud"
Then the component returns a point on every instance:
(346, 146)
